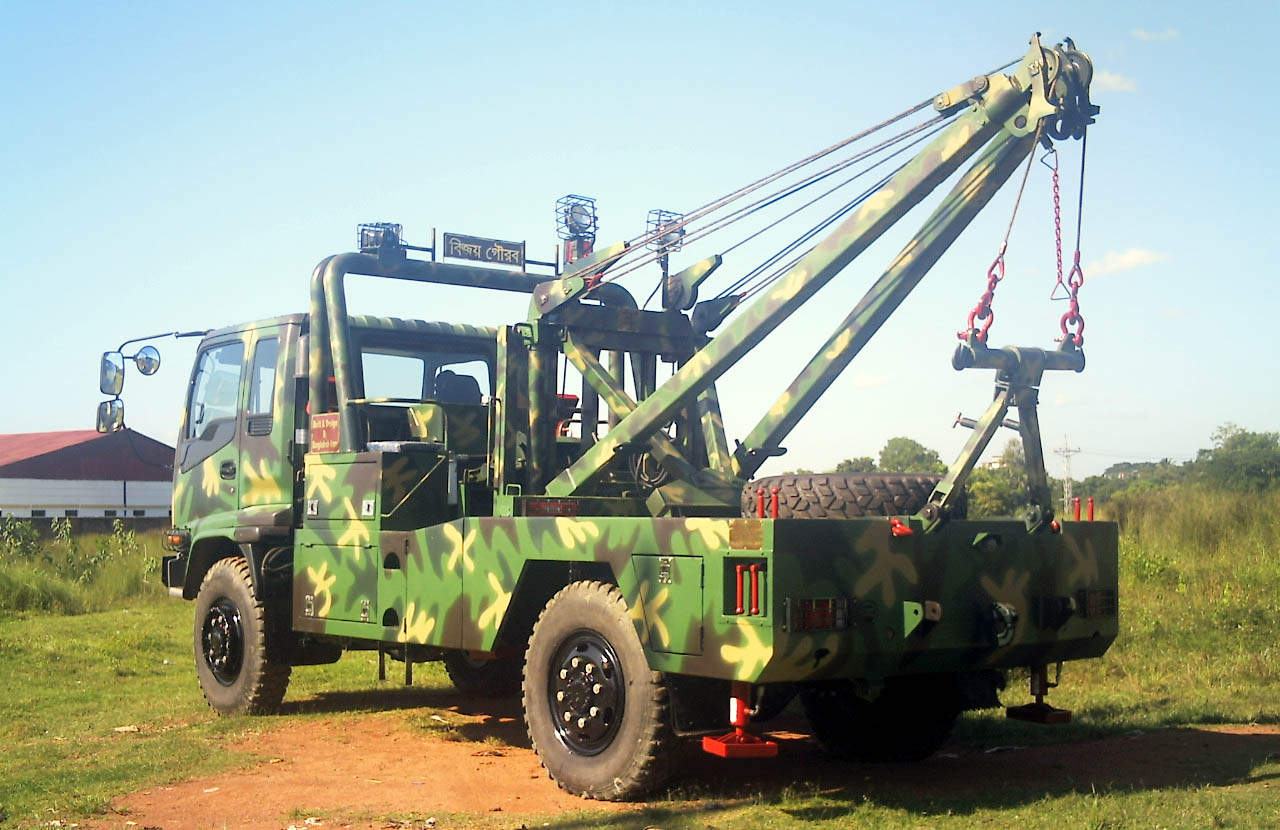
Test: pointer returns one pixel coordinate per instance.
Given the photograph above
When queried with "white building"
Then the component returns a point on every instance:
(82, 473)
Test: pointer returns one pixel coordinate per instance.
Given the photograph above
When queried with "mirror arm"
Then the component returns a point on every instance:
(200, 333)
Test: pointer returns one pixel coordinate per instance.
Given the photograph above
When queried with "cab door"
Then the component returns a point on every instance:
(265, 469)
(206, 473)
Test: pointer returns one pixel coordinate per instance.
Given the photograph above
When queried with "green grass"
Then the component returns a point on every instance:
(1200, 608)
(71, 574)
(67, 682)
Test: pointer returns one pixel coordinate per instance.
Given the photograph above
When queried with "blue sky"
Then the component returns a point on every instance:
(181, 166)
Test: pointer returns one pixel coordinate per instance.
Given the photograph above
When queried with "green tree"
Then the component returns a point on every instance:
(903, 455)
(861, 464)
(1240, 459)
(1000, 490)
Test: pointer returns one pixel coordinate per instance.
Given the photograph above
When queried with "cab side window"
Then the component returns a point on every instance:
(262, 377)
(215, 388)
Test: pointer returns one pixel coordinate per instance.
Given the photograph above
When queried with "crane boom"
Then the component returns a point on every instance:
(1006, 108)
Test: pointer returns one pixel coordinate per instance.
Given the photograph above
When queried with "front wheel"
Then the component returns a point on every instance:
(238, 673)
(598, 716)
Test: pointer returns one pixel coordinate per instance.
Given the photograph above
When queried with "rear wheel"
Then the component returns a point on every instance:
(484, 678)
(597, 714)
(909, 721)
(235, 663)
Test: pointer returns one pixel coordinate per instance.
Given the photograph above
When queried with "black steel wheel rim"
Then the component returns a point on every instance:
(587, 692)
(222, 641)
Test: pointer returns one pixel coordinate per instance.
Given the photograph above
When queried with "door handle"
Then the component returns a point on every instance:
(227, 470)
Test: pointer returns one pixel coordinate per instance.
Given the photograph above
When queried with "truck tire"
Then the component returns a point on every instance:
(483, 678)
(909, 721)
(846, 495)
(236, 663)
(598, 716)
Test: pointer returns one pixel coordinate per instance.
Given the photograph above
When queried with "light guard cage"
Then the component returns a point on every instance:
(576, 217)
(659, 220)
(372, 237)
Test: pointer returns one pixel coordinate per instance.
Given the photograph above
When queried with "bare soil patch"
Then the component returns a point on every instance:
(349, 767)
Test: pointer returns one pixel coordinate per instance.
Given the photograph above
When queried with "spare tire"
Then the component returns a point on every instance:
(847, 495)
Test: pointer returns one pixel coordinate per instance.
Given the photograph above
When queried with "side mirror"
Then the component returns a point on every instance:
(147, 360)
(111, 415)
(111, 375)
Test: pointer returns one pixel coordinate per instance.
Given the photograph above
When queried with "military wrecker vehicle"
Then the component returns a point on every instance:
(430, 490)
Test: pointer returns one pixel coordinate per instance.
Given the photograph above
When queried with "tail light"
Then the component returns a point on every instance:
(816, 614)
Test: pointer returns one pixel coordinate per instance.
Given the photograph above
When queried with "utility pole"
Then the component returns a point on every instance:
(1066, 451)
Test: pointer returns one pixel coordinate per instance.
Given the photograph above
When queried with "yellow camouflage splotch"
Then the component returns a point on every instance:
(322, 587)
(748, 658)
(397, 478)
(649, 611)
(1012, 588)
(493, 615)
(262, 486)
(357, 533)
(1084, 563)
(319, 476)
(883, 573)
(460, 548)
(209, 477)
(575, 532)
(713, 532)
(416, 627)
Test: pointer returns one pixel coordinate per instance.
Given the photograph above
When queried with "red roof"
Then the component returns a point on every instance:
(22, 445)
(85, 455)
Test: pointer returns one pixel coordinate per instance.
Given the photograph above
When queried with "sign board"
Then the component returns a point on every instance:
(480, 249)
(325, 432)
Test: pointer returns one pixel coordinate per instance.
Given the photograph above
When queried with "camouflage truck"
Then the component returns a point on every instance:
(428, 490)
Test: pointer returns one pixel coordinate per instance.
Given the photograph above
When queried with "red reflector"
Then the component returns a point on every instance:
(549, 507)
(817, 614)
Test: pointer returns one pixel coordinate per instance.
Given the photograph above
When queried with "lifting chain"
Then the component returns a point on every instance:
(982, 312)
(1072, 322)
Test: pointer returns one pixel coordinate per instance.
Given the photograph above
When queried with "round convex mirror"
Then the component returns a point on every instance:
(148, 360)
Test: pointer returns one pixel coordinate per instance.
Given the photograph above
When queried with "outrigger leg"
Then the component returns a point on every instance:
(1039, 712)
(739, 743)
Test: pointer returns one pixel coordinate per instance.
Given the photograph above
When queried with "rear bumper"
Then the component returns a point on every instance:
(852, 599)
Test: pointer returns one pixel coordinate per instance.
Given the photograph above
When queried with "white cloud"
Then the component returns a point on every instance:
(1113, 82)
(866, 380)
(1168, 34)
(1116, 261)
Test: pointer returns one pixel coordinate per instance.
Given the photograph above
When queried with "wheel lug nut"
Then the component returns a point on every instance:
(582, 722)
(590, 668)
(595, 710)
(574, 662)
(567, 717)
(559, 696)
(564, 673)
(597, 689)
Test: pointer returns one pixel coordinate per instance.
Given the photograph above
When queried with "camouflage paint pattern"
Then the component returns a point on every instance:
(260, 492)
(677, 576)
(433, 540)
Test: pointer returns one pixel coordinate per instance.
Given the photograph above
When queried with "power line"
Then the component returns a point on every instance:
(1066, 451)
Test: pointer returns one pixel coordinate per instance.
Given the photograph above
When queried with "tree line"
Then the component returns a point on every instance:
(1238, 460)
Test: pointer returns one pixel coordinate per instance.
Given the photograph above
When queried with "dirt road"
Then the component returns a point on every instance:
(367, 769)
